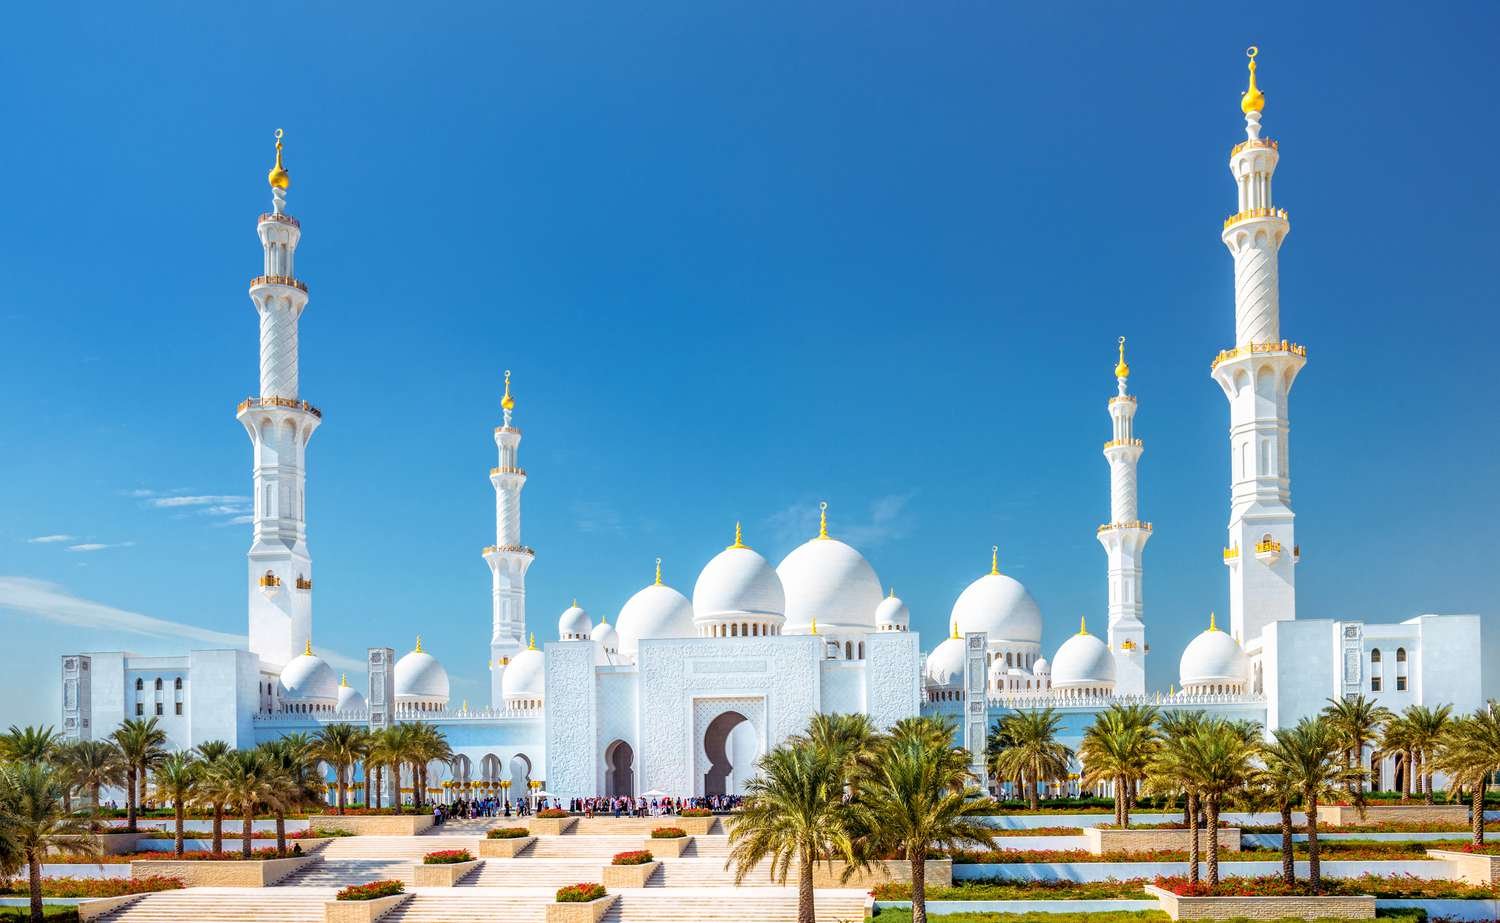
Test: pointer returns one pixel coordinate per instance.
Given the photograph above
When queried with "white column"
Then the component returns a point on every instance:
(508, 558)
(1124, 539)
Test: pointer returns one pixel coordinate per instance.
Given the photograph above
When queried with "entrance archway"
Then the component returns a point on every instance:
(520, 774)
(732, 746)
(619, 771)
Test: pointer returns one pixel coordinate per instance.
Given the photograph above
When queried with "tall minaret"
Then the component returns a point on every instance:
(280, 424)
(508, 558)
(1124, 539)
(1257, 376)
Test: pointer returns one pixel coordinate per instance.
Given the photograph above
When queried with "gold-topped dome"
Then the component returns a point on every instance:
(278, 177)
(1122, 369)
(1253, 99)
(507, 402)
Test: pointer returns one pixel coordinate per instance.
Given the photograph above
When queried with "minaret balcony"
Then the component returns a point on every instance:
(502, 469)
(1253, 144)
(303, 583)
(1135, 524)
(1116, 443)
(289, 402)
(290, 281)
(1250, 214)
(280, 219)
(1268, 551)
(1281, 348)
(1126, 398)
(508, 549)
(1232, 555)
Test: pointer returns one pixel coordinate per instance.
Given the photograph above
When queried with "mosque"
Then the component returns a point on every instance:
(679, 693)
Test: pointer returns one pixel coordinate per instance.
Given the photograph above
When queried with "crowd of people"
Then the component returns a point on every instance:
(641, 806)
(488, 806)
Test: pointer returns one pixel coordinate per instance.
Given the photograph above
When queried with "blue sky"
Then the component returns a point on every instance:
(741, 257)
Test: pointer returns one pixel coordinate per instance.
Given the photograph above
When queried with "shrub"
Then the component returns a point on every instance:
(1487, 849)
(553, 812)
(581, 893)
(331, 831)
(668, 833)
(190, 855)
(388, 888)
(448, 857)
(94, 887)
(1016, 889)
(633, 857)
(1040, 831)
(1392, 886)
(695, 812)
(508, 833)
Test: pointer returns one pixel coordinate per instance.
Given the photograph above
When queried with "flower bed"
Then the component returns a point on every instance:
(1038, 831)
(1014, 889)
(668, 833)
(94, 887)
(1392, 886)
(447, 857)
(507, 833)
(1351, 850)
(633, 857)
(1483, 849)
(371, 891)
(188, 855)
(1168, 825)
(695, 812)
(581, 893)
(1385, 826)
(553, 812)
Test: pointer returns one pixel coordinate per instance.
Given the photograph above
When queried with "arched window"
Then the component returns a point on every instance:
(734, 631)
(861, 650)
(1375, 655)
(177, 684)
(158, 684)
(139, 684)
(1401, 655)
(848, 650)
(1009, 659)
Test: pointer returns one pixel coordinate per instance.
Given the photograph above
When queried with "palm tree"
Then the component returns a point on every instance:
(1117, 748)
(210, 791)
(1217, 761)
(34, 823)
(381, 753)
(428, 745)
(920, 797)
(1278, 780)
(96, 764)
(1168, 775)
(341, 746)
(1469, 752)
(29, 744)
(176, 778)
(244, 779)
(1397, 738)
(1315, 757)
(1427, 727)
(850, 739)
(794, 812)
(1028, 749)
(1355, 722)
(293, 779)
(142, 743)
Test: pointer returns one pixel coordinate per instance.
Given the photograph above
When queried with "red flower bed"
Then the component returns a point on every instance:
(508, 833)
(369, 892)
(633, 857)
(1040, 831)
(1483, 849)
(190, 855)
(94, 887)
(448, 857)
(1391, 886)
(695, 812)
(553, 812)
(581, 893)
(668, 833)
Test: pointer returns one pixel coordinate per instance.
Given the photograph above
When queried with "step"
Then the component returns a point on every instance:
(411, 848)
(337, 873)
(777, 906)
(571, 847)
(223, 905)
(534, 873)
(690, 873)
(471, 907)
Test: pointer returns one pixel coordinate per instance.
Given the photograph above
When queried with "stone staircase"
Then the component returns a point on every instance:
(227, 905)
(475, 826)
(409, 848)
(704, 847)
(711, 873)
(471, 907)
(762, 905)
(578, 847)
(336, 873)
(638, 826)
(534, 873)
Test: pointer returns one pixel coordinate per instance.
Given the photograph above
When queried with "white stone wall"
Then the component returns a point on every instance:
(571, 702)
(893, 676)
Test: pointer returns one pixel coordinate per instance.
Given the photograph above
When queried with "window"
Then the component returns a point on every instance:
(179, 707)
(158, 708)
(1375, 655)
(177, 684)
(1375, 684)
(1401, 684)
(139, 684)
(140, 709)
(1401, 655)
(158, 684)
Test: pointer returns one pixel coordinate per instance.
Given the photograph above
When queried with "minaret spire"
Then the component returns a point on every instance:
(1256, 376)
(508, 558)
(279, 424)
(1124, 539)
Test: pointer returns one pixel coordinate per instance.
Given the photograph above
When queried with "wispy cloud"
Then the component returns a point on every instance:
(209, 500)
(597, 517)
(100, 546)
(225, 509)
(49, 539)
(885, 519)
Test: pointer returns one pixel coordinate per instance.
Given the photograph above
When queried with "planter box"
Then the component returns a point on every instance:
(230, 873)
(362, 911)
(668, 849)
(99, 906)
(1474, 868)
(1101, 841)
(1263, 908)
(445, 875)
(550, 826)
(113, 844)
(1455, 814)
(372, 824)
(628, 876)
(504, 849)
(690, 825)
(939, 873)
(589, 912)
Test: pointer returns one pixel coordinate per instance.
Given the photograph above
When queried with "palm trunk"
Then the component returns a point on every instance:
(396, 788)
(342, 791)
(218, 826)
(1032, 782)
(1427, 775)
(94, 798)
(1213, 841)
(177, 814)
(280, 833)
(806, 913)
(379, 785)
(247, 831)
(1476, 812)
(130, 799)
(34, 883)
(143, 778)
(1288, 866)
(1314, 873)
(1119, 802)
(919, 888)
(1193, 852)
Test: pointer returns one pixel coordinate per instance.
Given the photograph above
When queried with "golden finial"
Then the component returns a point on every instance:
(658, 571)
(604, 619)
(1083, 625)
(507, 402)
(575, 602)
(739, 541)
(1253, 99)
(466, 706)
(532, 645)
(278, 177)
(814, 625)
(419, 644)
(893, 593)
(1213, 624)
(823, 519)
(343, 680)
(307, 649)
(994, 560)
(955, 631)
(1122, 370)
(1171, 689)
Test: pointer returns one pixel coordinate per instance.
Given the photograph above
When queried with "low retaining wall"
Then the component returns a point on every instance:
(236, 873)
(1264, 908)
(362, 911)
(1101, 841)
(80, 870)
(628, 876)
(939, 873)
(1273, 840)
(550, 826)
(1341, 816)
(504, 849)
(443, 875)
(309, 844)
(372, 824)
(581, 912)
(1474, 868)
(1483, 910)
(1103, 871)
(1032, 821)
(668, 848)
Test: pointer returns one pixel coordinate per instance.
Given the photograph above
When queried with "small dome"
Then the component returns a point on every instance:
(605, 636)
(892, 614)
(1000, 607)
(420, 678)
(525, 677)
(829, 581)
(1040, 667)
(574, 624)
(349, 697)
(658, 611)
(309, 678)
(738, 582)
(945, 665)
(1213, 657)
(1083, 661)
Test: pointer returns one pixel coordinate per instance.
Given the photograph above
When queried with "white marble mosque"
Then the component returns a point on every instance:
(680, 693)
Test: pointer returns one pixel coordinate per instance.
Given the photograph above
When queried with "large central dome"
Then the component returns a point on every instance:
(738, 582)
(1000, 607)
(826, 580)
(658, 611)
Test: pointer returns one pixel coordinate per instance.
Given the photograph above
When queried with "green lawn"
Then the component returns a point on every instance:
(1139, 916)
(54, 912)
